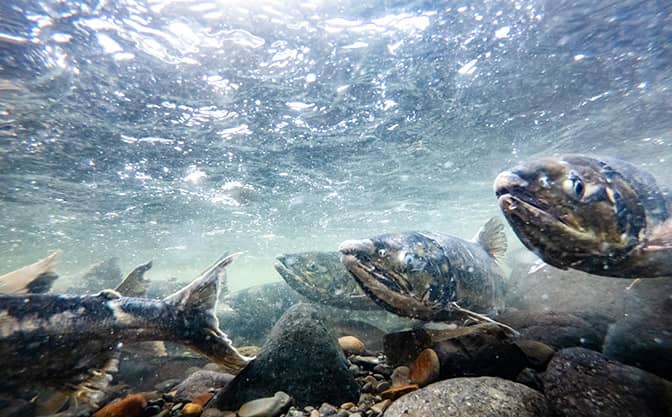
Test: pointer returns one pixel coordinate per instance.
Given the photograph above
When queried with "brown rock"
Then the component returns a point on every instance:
(351, 345)
(396, 392)
(131, 406)
(425, 368)
(538, 354)
(192, 410)
(202, 399)
(481, 350)
(402, 347)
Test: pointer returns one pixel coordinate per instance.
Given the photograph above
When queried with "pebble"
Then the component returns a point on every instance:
(202, 399)
(538, 354)
(131, 406)
(294, 413)
(327, 410)
(213, 412)
(152, 410)
(266, 407)
(383, 369)
(192, 410)
(365, 361)
(400, 376)
(396, 392)
(347, 406)
(351, 345)
(383, 386)
(425, 369)
(314, 413)
(381, 406)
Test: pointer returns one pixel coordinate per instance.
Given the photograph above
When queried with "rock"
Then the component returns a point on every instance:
(402, 347)
(351, 345)
(199, 383)
(327, 409)
(368, 362)
(471, 397)
(538, 354)
(425, 368)
(370, 335)
(401, 376)
(579, 382)
(192, 410)
(396, 392)
(531, 378)
(247, 316)
(266, 407)
(131, 406)
(213, 412)
(301, 357)
(202, 399)
(479, 350)
(558, 330)
(379, 408)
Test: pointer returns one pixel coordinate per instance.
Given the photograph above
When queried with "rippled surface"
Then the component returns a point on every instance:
(176, 130)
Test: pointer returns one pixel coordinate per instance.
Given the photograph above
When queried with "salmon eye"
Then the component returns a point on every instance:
(312, 267)
(382, 253)
(408, 259)
(574, 186)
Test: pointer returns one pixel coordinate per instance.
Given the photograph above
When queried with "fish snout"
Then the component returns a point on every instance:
(506, 181)
(363, 248)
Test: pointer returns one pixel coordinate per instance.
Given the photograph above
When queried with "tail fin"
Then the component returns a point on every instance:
(134, 283)
(198, 301)
(492, 238)
(33, 278)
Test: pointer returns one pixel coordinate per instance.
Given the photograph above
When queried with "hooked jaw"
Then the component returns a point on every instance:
(504, 185)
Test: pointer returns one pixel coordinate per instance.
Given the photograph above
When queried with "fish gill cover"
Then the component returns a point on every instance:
(170, 130)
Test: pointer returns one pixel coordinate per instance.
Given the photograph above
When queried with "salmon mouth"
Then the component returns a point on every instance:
(356, 265)
(289, 274)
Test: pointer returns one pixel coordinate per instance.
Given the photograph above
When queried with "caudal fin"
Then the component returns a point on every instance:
(197, 304)
(33, 278)
(492, 238)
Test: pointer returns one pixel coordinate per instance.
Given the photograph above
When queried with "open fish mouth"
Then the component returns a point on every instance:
(290, 275)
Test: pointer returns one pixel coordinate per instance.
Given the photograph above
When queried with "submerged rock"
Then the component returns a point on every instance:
(579, 382)
(471, 397)
(479, 350)
(199, 383)
(302, 358)
(131, 406)
(401, 348)
(558, 330)
(266, 407)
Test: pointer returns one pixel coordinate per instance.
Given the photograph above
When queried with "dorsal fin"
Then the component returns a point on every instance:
(134, 283)
(33, 278)
(492, 238)
(203, 292)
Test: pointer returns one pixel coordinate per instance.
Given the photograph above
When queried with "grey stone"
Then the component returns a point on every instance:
(266, 407)
(302, 358)
(579, 382)
(201, 382)
(471, 397)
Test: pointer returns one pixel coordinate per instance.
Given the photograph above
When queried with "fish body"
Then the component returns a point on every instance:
(70, 343)
(322, 278)
(426, 275)
(603, 216)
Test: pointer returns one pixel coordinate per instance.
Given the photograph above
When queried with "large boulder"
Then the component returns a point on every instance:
(302, 358)
(471, 397)
(582, 383)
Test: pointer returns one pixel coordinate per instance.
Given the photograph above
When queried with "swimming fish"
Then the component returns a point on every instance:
(322, 278)
(34, 278)
(71, 343)
(598, 215)
(431, 276)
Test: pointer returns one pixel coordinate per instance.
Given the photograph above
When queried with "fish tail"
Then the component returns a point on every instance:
(492, 238)
(199, 327)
